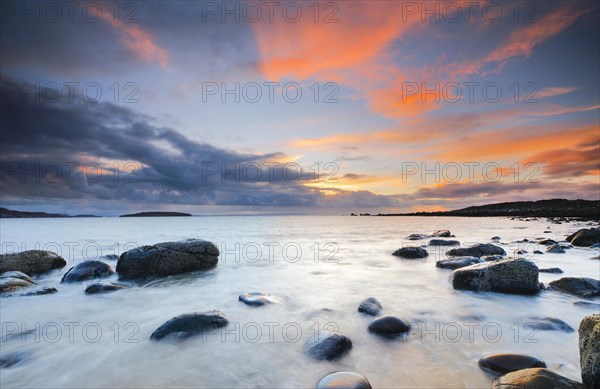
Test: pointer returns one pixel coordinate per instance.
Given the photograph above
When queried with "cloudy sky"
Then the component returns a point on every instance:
(297, 107)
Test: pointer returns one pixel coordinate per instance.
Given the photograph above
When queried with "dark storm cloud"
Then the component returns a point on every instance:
(100, 151)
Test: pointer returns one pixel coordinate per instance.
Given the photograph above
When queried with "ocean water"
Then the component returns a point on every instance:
(317, 268)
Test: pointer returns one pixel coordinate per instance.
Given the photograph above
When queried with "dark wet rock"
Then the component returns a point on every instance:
(10, 285)
(506, 363)
(104, 288)
(41, 292)
(589, 350)
(554, 270)
(442, 234)
(587, 304)
(537, 252)
(585, 237)
(515, 276)
(370, 306)
(13, 359)
(595, 246)
(489, 258)
(495, 238)
(547, 242)
(548, 324)
(168, 258)
(31, 262)
(477, 250)
(520, 252)
(256, 299)
(343, 380)
(417, 236)
(389, 326)
(443, 242)
(578, 286)
(328, 345)
(88, 270)
(556, 249)
(457, 262)
(190, 324)
(536, 378)
(17, 274)
(411, 252)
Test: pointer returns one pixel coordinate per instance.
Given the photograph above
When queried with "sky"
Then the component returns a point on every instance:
(327, 107)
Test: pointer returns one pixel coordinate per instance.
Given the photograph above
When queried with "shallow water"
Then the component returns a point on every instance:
(102, 340)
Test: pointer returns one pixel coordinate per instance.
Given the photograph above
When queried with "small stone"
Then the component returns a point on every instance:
(370, 306)
(389, 326)
(256, 299)
(411, 252)
(506, 363)
(328, 345)
(556, 249)
(104, 288)
(443, 242)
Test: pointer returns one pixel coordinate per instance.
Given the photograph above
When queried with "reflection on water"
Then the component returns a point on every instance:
(318, 268)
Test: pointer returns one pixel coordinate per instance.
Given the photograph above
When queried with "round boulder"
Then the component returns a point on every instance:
(104, 288)
(514, 276)
(389, 326)
(190, 324)
(411, 252)
(578, 286)
(585, 237)
(443, 242)
(328, 345)
(535, 378)
(458, 262)
(505, 363)
(478, 250)
(343, 380)
(87, 270)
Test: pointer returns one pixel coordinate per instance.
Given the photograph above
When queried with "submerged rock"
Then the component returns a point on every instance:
(457, 262)
(589, 350)
(477, 250)
(506, 363)
(489, 258)
(554, 270)
(443, 242)
(585, 237)
(578, 286)
(17, 274)
(190, 324)
(168, 258)
(515, 276)
(104, 288)
(389, 326)
(556, 249)
(10, 284)
(31, 262)
(370, 306)
(547, 242)
(87, 270)
(411, 252)
(41, 292)
(328, 345)
(343, 380)
(256, 299)
(535, 378)
(587, 304)
(14, 358)
(548, 324)
(417, 236)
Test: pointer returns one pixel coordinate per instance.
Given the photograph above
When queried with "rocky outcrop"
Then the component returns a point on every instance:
(589, 350)
(168, 258)
(515, 276)
(31, 262)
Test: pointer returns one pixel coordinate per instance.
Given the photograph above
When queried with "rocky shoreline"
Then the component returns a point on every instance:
(481, 267)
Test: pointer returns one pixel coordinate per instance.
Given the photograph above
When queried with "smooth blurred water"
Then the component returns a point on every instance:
(102, 340)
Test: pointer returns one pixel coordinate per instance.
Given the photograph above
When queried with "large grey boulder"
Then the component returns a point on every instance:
(168, 258)
(31, 262)
(589, 350)
(515, 276)
(477, 250)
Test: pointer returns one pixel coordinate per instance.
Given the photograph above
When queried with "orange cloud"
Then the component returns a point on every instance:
(137, 40)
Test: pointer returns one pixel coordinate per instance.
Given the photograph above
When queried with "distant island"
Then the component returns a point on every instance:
(156, 214)
(12, 214)
(589, 209)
